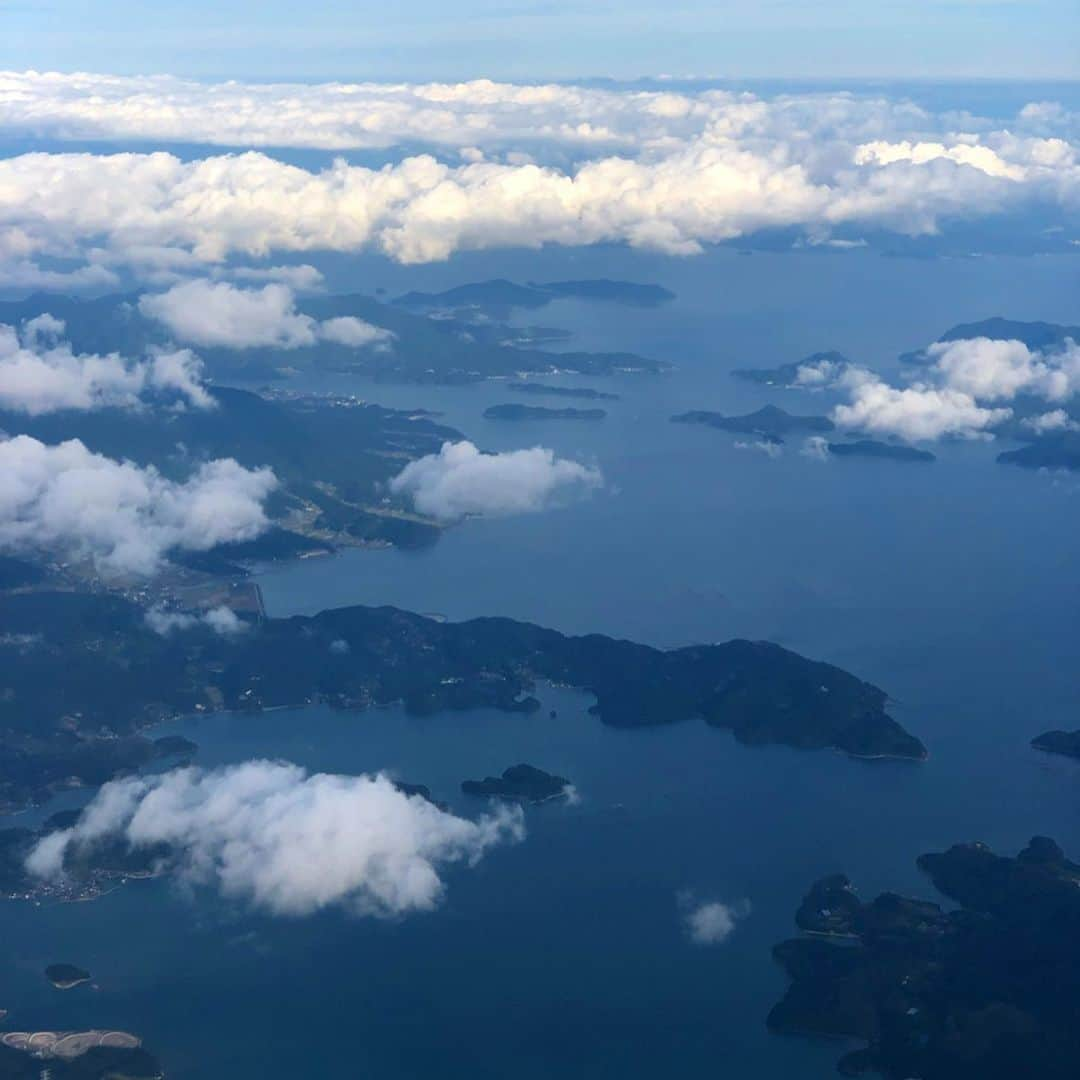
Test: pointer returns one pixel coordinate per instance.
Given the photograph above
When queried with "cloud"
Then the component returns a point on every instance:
(996, 370)
(978, 157)
(712, 923)
(348, 330)
(767, 447)
(39, 373)
(815, 447)
(818, 374)
(219, 314)
(286, 841)
(469, 116)
(675, 199)
(915, 413)
(222, 620)
(956, 393)
(460, 480)
(1055, 420)
(67, 499)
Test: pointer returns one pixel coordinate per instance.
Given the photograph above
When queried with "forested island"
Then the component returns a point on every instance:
(499, 296)
(516, 412)
(768, 421)
(66, 976)
(883, 451)
(793, 376)
(519, 783)
(1035, 335)
(93, 674)
(547, 390)
(1066, 743)
(985, 991)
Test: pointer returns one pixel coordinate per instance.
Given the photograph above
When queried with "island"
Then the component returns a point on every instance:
(1037, 336)
(66, 976)
(796, 375)
(545, 389)
(76, 1055)
(1054, 450)
(1066, 743)
(499, 295)
(514, 411)
(988, 989)
(519, 783)
(91, 870)
(76, 707)
(883, 451)
(767, 421)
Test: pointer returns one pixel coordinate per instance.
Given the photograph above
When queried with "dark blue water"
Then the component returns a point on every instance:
(954, 586)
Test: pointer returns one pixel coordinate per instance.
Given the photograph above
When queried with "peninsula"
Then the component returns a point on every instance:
(988, 990)
(96, 674)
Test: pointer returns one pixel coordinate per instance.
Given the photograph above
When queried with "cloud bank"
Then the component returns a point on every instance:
(285, 841)
(69, 500)
(39, 374)
(221, 315)
(460, 480)
(531, 165)
(478, 114)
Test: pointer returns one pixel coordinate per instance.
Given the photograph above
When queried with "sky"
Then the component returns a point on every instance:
(546, 39)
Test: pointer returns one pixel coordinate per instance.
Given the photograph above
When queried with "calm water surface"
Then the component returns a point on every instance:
(954, 586)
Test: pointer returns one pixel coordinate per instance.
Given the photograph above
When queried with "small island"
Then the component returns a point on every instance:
(769, 421)
(796, 375)
(500, 295)
(883, 451)
(587, 393)
(1066, 743)
(1037, 336)
(1055, 450)
(519, 783)
(66, 976)
(514, 411)
(989, 989)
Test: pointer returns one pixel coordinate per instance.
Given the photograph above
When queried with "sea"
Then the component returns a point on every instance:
(954, 585)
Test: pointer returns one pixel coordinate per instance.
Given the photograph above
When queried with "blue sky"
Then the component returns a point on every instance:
(531, 39)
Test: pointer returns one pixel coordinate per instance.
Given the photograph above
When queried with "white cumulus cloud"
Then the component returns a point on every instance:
(67, 499)
(713, 922)
(220, 314)
(222, 620)
(915, 413)
(282, 840)
(959, 393)
(460, 480)
(39, 373)
(996, 370)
